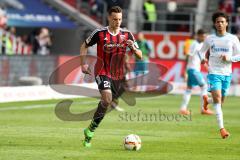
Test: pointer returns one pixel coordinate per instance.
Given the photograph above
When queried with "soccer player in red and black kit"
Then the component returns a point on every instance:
(112, 43)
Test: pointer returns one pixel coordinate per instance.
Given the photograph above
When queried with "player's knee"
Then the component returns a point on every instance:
(107, 101)
(217, 98)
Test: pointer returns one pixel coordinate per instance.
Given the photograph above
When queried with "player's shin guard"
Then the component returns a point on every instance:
(98, 116)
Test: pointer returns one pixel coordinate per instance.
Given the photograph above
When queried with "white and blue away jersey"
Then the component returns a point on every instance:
(194, 60)
(220, 45)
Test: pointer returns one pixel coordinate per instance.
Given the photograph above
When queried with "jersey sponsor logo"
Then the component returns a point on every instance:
(112, 46)
(219, 49)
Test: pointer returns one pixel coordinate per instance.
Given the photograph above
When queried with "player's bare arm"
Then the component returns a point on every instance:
(136, 51)
(83, 52)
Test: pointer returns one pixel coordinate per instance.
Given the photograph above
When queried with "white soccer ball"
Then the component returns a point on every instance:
(132, 142)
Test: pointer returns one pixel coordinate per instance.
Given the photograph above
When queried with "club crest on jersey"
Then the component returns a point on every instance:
(122, 37)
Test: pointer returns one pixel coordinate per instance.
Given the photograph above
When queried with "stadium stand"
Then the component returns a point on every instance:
(172, 28)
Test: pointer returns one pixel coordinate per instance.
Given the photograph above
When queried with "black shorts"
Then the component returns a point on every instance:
(116, 86)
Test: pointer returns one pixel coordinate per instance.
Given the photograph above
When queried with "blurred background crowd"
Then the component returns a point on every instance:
(47, 32)
(151, 15)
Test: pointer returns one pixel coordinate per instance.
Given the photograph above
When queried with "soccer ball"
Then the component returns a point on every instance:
(132, 142)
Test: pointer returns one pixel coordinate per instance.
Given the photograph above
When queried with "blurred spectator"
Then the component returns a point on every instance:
(11, 47)
(10, 44)
(111, 3)
(7, 48)
(42, 42)
(141, 65)
(150, 15)
(226, 6)
(19, 44)
(12, 30)
(237, 6)
(237, 22)
(3, 18)
(187, 44)
(182, 28)
(97, 7)
(186, 49)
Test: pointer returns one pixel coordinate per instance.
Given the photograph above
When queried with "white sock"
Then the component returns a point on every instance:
(186, 99)
(219, 114)
(203, 90)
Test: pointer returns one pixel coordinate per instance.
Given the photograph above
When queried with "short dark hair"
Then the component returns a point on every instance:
(115, 9)
(201, 31)
(219, 14)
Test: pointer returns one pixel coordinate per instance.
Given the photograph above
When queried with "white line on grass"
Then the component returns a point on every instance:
(39, 106)
(35, 106)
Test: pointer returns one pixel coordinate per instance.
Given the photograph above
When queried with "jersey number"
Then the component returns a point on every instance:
(106, 84)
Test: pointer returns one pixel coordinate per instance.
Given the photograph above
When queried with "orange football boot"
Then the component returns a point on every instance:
(224, 133)
(184, 112)
(206, 110)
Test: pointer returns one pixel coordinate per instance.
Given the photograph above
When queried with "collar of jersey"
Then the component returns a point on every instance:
(111, 32)
(221, 35)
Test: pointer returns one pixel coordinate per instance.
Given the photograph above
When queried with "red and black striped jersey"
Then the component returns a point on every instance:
(111, 51)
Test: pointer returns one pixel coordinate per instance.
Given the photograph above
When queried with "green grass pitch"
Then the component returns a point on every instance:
(31, 131)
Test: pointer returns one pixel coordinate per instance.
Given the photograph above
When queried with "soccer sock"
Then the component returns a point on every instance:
(186, 99)
(203, 92)
(219, 114)
(98, 116)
